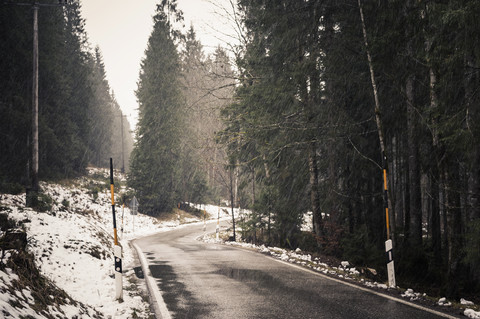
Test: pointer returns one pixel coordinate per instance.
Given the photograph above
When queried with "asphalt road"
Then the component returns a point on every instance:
(200, 280)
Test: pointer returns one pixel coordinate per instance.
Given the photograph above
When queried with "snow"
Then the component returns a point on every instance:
(444, 302)
(470, 313)
(465, 302)
(410, 294)
(73, 247)
(344, 271)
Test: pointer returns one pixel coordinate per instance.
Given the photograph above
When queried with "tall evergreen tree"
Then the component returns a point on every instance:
(154, 172)
(101, 115)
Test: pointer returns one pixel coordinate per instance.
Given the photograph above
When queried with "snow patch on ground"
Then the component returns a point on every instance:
(72, 245)
(345, 270)
(444, 302)
(470, 313)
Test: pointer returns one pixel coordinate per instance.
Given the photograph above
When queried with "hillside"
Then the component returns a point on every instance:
(66, 268)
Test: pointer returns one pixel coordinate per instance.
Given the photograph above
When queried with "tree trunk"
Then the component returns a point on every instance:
(398, 185)
(232, 201)
(413, 166)
(455, 231)
(253, 186)
(377, 103)
(269, 206)
(314, 196)
(471, 120)
(436, 177)
(32, 191)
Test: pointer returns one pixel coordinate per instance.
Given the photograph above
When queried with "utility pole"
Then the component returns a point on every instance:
(34, 186)
(232, 202)
(386, 198)
(32, 191)
(217, 229)
(123, 158)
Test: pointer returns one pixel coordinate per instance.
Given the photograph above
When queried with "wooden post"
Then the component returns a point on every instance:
(34, 176)
(123, 159)
(387, 201)
(217, 229)
(117, 247)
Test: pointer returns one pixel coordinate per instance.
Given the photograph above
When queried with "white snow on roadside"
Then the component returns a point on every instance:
(344, 270)
(444, 302)
(470, 313)
(465, 302)
(73, 247)
(411, 295)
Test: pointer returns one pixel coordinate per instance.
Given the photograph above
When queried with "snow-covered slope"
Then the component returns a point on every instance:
(72, 247)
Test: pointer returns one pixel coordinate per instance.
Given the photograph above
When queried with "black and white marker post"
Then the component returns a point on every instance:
(204, 221)
(121, 227)
(217, 230)
(117, 248)
(388, 243)
(133, 211)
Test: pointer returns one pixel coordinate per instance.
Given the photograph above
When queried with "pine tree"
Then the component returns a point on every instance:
(101, 114)
(15, 94)
(154, 172)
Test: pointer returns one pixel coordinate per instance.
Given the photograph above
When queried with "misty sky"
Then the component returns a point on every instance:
(121, 29)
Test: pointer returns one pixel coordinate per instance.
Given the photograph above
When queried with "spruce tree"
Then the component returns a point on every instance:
(154, 170)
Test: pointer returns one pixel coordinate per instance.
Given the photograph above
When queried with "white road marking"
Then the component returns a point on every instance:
(160, 306)
(441, 314)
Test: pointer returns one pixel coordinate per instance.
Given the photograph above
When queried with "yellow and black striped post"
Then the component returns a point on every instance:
(115, 239)
(385, 195)
(117, 248)
(388, 242)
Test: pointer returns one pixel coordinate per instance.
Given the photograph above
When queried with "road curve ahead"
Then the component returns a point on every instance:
(199, 280)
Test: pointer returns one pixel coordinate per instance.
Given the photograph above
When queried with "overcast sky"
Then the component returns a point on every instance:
(121, 29)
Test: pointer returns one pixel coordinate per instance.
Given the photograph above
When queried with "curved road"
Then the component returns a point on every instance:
(200, 280)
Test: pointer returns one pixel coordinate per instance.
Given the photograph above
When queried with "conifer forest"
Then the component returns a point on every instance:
(315, 103)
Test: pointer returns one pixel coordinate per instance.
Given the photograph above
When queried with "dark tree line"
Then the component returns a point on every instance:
(303, 129)
(78, 114)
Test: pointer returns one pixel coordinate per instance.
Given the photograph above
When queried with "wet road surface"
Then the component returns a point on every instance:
(200, 280)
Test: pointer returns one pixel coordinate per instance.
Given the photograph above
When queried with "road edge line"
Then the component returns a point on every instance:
(155, 294)
(406, 302)
(366, 289)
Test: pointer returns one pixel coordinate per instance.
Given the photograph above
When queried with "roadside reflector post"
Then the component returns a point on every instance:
(118, 272)
(133, 210)
(217, 230)
(121, 228)
(204, 220)
(388, 243)
(117, 251)
(390, 264)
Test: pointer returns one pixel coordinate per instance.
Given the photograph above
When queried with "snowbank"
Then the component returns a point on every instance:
(72, 245)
